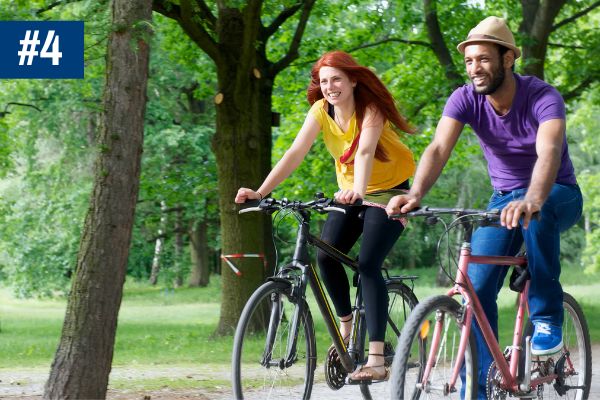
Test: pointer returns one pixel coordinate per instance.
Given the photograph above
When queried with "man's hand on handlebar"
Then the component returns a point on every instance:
(402, 204)
(515, 209)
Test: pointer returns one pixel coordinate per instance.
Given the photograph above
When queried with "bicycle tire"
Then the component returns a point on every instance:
(272, 305)
(410, 359)
(402, 301)
(576, 338)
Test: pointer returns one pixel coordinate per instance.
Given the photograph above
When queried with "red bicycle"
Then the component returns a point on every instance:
(437, 344)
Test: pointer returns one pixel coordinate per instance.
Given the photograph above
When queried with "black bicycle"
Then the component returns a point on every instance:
(274, 351)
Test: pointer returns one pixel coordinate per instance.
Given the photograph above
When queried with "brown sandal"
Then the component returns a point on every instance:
(370, 373)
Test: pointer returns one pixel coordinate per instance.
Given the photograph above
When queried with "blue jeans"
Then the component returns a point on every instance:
(561, 210)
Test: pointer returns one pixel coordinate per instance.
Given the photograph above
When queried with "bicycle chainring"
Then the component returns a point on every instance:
(492, 387)
(335, 374)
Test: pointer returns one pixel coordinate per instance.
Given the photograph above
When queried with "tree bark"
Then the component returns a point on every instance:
(82, 363)
(439, 45)
(242, 146)
(177, 266)
(536, 26)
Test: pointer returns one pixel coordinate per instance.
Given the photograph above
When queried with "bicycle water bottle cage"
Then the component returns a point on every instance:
(518, 278)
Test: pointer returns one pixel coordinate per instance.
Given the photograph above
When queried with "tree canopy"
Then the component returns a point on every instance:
(257, 55)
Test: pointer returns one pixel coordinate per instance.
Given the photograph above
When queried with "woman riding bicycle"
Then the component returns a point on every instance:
(357, 116)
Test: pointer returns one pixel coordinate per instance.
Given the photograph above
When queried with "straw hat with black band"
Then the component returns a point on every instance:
(491, 30)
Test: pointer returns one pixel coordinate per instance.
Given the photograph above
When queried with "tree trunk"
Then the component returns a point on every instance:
(243, 138)
(536, 26)
(199, 250)
(439, 45)
(158, 246)
(83, 359)
(178, 248)
(236, 39)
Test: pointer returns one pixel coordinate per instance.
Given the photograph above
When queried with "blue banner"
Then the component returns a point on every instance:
(41, 49)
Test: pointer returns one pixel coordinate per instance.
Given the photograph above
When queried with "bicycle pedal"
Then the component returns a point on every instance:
(358, 382)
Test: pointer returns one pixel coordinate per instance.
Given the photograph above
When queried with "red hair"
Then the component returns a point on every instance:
(369, 92)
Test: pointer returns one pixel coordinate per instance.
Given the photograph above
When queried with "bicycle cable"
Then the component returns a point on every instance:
(458, 221)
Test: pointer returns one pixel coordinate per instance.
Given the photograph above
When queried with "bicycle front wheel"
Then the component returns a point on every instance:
(272, 359)
(414, 346)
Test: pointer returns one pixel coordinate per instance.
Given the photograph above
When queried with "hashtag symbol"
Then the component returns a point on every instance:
(28, 50)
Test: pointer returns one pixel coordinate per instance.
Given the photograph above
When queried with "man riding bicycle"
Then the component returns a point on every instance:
(520, 123)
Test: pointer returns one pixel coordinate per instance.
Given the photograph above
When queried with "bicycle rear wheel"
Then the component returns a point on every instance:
(576, 367)
(261, 368)
(413, 348)
(402, 301)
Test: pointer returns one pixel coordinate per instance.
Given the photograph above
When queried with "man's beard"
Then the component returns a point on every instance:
(497, 79)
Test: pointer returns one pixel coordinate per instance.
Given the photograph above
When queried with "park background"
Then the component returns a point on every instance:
(225, 97)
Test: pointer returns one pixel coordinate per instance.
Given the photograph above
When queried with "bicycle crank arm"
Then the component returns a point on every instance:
(525, 385)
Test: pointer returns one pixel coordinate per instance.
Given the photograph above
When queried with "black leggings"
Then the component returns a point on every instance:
(379, 235)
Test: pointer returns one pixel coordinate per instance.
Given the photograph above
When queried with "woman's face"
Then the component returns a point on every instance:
(336, 85)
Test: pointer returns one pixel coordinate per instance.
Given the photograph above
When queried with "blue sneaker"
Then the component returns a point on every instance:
(546, 340)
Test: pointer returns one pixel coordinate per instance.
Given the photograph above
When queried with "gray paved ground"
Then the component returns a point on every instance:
(28, 384)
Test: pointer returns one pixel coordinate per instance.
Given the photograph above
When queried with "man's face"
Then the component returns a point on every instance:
(484, 67)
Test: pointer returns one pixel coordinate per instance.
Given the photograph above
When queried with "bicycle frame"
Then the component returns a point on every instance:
(301, 260)
(473, 308)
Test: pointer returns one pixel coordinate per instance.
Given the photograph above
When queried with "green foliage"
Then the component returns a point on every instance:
(46, 156)
(51, 152)
(178, 166)
(584, 141)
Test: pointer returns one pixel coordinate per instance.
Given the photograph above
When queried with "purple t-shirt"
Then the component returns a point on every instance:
(508, 141)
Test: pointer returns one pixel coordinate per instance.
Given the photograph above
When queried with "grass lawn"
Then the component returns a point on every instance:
(175, 327)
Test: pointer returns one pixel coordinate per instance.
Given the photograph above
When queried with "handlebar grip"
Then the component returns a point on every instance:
(338, 209)
(249, 206)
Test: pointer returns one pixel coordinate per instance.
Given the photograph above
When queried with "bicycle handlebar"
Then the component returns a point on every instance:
(458, 212)
(322, 204)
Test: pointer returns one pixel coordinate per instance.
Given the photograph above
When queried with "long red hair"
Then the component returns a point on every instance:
(369, 92)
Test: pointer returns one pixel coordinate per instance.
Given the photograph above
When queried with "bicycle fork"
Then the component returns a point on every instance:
(275, 319)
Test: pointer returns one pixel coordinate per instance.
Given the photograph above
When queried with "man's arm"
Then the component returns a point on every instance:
(430, 166)
(548, 146)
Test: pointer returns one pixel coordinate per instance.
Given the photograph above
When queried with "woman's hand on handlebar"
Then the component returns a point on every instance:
(244, 194)
(346, 196)
(402, 204)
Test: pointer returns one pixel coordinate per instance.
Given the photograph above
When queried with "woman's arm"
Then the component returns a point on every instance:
(372, 129)
(288, 163)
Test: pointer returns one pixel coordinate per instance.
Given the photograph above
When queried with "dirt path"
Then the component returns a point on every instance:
(208, 384)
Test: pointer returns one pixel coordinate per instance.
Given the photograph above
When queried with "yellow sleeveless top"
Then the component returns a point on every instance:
(385, 174)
